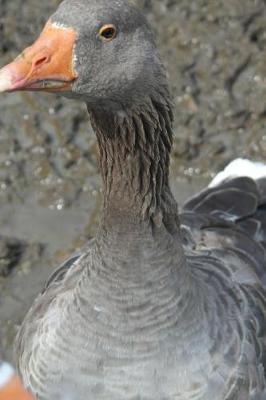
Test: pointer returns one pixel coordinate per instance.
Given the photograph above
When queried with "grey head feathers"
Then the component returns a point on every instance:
(116, 74)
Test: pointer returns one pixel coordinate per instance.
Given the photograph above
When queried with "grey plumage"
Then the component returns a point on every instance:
(151, 309)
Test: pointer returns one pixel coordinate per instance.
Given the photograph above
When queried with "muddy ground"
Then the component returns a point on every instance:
(49, 180)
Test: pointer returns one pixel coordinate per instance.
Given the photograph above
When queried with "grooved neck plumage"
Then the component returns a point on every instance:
(138, 246)
(134, 147)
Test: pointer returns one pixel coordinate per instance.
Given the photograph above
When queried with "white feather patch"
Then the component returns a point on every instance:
(59, 25)
(6, 373)
(240, 167)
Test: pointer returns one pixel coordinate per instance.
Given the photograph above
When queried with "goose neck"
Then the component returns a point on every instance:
(134, 151)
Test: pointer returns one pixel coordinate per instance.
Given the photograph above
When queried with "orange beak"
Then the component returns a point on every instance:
(47, 65)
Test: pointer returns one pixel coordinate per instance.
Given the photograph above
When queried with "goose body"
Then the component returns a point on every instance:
(160, 305)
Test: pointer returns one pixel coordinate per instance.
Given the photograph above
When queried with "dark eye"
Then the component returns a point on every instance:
(107, 32)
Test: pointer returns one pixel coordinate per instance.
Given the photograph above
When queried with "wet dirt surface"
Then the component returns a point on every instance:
(49, 180)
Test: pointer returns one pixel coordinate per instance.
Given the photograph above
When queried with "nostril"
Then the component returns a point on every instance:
(40, 61)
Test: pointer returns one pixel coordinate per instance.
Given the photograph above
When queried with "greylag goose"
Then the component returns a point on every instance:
(160, 305)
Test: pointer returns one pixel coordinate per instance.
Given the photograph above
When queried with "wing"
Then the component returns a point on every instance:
(58, 275)
(62, 280)
(231, 216)
(226, 223)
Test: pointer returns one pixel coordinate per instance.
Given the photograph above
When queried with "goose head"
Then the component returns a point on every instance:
(97, 51)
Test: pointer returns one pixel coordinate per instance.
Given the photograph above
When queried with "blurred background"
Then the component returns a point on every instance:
(50, 195)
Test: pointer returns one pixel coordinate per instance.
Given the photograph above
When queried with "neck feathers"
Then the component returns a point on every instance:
(135, 148)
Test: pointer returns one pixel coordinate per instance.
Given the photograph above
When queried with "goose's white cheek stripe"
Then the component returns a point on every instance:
(59, 25)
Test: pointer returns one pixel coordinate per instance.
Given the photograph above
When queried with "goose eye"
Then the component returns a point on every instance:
(108, 32)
